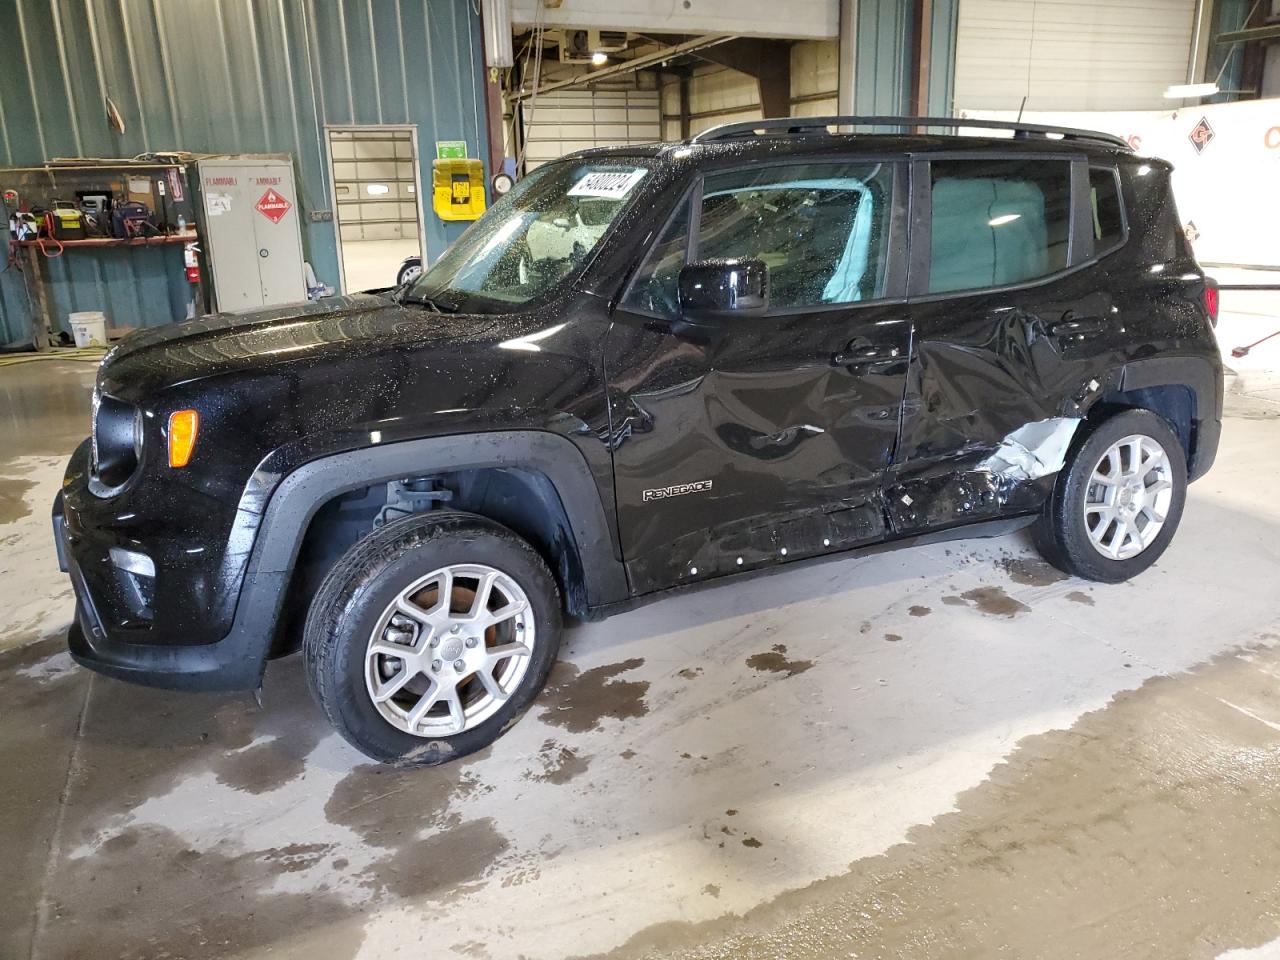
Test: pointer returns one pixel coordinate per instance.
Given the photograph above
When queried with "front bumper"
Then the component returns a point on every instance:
(103, 641)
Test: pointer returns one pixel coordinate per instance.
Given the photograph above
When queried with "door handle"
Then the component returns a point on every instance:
(1078, 327)
(861, 351)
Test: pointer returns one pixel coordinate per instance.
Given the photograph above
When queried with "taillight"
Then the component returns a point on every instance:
(1211, 301)
(184, 425)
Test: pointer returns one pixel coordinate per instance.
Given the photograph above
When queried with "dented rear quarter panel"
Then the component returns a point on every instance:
(986, 363)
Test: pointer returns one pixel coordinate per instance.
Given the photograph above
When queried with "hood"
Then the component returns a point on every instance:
(214, 324)
(303, 332)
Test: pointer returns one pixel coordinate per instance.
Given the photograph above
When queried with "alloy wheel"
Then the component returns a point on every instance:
(449, 650)
(1128, 497)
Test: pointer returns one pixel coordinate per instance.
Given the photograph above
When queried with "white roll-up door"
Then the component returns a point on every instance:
(1071, 54)
(563, 121)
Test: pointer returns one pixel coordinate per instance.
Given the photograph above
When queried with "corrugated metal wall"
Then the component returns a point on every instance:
(815, 78)
(1071, 54)
(882, 83)
(223, 76)
(882, 73)
(942, 58)
(563, 121)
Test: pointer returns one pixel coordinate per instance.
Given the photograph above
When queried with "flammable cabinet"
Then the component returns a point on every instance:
(253, 239)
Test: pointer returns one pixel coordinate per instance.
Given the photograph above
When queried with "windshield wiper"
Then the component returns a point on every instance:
(431, 304)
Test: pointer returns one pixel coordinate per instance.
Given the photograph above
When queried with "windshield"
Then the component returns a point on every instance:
(533, 238)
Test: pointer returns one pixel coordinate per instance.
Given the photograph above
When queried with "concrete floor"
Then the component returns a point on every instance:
(950, 751)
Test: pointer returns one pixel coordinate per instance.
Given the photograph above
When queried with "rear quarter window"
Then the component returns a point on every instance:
(1108, 212)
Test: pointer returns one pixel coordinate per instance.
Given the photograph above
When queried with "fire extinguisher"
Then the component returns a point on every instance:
(189, 251)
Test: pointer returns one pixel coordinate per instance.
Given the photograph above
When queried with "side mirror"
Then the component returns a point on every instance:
(718, 289)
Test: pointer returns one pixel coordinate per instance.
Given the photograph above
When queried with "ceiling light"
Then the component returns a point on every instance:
(600, 59)
(1001, 220)
(1188, 91)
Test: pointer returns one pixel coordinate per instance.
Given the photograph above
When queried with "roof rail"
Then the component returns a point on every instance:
(810, 125)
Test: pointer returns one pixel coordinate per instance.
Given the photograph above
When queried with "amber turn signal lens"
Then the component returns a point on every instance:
(183, 427)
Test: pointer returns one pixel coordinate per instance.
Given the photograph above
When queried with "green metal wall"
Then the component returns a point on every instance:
(883, 69)
(223, 76)
(942, 54)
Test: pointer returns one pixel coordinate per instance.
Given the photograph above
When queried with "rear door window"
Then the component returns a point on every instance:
(997, 222)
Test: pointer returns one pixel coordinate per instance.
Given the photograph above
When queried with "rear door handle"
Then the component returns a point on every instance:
(1078, 327)
(861, 351)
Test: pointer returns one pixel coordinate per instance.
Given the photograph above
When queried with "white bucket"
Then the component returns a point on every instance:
(89, 328)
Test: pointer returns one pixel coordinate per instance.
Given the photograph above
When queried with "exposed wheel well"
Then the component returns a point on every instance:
(1175, 402)
(523, 500)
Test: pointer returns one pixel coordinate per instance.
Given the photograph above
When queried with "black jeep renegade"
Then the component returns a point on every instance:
(646, 368)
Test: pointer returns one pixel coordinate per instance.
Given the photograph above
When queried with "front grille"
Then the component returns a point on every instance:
(117, 440)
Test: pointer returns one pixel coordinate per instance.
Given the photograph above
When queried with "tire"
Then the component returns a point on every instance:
(409, 270)
(1062, 533)
(439, 645)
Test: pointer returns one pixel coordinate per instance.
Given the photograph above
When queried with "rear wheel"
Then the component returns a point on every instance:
(431, 636)
(1117, 503)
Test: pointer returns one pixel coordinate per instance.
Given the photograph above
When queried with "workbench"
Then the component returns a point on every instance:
(43, 323)
(41, 185)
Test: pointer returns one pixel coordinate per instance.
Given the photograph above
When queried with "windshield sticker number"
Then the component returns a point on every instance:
(609, 184)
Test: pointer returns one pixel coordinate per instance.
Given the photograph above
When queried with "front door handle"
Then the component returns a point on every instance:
(1078, 328)
(861, 351)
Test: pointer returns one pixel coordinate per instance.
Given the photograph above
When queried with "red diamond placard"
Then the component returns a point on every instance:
(273, 206)
(1201, 134)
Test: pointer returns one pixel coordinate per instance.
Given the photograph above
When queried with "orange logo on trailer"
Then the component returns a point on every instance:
(1201, 134)
(1272, 138)
(273, 206)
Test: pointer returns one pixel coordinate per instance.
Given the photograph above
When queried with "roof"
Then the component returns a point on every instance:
(802, 136)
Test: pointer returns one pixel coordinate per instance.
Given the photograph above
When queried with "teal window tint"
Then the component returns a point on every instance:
(655, 288)
(997, 222)
(821, 228)
(1104, 197)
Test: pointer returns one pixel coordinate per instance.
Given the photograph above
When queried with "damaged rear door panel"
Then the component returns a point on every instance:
(1012, 338)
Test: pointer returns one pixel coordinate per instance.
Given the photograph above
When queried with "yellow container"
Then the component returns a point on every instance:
(457, 189)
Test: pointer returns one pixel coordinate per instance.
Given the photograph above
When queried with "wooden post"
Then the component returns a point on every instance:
(41, 318)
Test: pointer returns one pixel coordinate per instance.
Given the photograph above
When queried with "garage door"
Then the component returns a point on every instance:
(568, 120)
(1071, 54)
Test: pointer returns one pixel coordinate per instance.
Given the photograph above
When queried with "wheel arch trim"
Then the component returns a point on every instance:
(1203, 379)
(304, 490)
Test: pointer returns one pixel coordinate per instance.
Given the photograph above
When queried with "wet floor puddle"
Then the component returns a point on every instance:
(1150, 829)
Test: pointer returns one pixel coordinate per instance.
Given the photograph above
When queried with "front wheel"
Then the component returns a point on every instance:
(430, 636)
(1118, 501)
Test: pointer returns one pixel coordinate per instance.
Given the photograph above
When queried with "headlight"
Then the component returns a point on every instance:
(117, 440)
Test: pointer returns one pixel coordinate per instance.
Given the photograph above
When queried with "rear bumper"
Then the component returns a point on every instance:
(1208, 433)
(235, 662)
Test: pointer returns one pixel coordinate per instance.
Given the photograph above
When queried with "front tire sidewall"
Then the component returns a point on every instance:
(1068, 522)
(399, 554)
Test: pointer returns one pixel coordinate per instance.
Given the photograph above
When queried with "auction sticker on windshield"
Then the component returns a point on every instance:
(610, 184)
